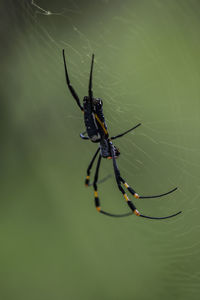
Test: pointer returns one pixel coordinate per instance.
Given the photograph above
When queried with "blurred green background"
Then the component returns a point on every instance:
(54, 245)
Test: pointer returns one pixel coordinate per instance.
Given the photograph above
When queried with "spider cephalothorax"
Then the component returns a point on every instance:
(97, 132)
(105, 149)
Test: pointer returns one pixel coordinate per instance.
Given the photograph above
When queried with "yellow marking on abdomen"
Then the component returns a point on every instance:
(96, 194)
(102, 124)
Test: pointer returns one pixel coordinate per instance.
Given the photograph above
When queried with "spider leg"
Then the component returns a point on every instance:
(161, 195)
(85, 137)
(161, 218)
(96, 198)
(131, 190)
(121, 134)
(74, 94)
(82, 135)
(119, 179)
(90, 93)
(87, 180)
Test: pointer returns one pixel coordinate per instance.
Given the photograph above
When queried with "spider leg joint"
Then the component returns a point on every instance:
(87, 180)
(136, 212)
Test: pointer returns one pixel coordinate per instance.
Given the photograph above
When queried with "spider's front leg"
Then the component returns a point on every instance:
(72, 91)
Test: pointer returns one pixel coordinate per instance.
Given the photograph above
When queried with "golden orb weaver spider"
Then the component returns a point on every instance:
(97, 132)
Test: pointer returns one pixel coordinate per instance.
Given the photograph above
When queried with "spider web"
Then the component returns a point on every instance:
(146, 70)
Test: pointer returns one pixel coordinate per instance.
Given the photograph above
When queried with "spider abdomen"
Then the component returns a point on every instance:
(90, 123)
(94, 119)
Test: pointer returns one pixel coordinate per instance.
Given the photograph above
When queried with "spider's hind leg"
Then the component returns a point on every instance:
(129, 188)
(87, 180)
(133, 192)
(96, 197)
(119, 179)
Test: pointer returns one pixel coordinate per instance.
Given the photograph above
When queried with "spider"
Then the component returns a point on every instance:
(97, 132)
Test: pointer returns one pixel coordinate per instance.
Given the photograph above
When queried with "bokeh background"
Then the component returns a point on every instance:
(54, 245)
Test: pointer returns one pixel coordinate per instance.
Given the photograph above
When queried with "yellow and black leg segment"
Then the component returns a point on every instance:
(129, 188)
(131, 205)
(87, 180)
(129, 202)
(96, 198)
(119, 179)
(97, 202)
